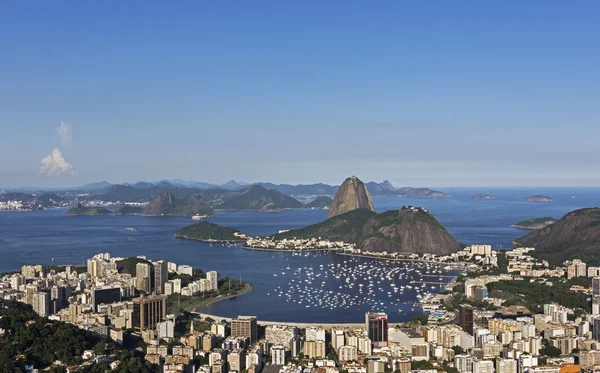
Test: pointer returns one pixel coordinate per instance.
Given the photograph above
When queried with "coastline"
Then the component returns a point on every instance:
(193, 303)
(208, 239)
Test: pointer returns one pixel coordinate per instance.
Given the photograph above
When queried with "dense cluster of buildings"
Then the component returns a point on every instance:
(501, 339)
(99, 298)
(296, 244)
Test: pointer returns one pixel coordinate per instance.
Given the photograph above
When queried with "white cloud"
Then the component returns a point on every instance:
(55, 164)
(65, 134)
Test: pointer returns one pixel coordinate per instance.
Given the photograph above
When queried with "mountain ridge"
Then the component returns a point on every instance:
(574, 236)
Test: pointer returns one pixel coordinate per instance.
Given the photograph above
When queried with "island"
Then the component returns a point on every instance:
(81, 210)
(537, 223)
(210, 232)
(481, 196)
(537, 198)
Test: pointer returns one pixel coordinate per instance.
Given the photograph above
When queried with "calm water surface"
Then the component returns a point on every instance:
(49, 237)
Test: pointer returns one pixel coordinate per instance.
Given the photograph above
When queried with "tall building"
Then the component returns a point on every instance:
(245, 327)
(463, 363)
(376, 324)
(60, 294)
(41, 303)
(348, 353)
(148, 312)
(237, 360)
(465, 318)
(142, 275)
(314, 349)
(278, 355)
(577, 268)
(297, 345)
(596, 329)
(213, 279)
(161, 275)
(596, 286)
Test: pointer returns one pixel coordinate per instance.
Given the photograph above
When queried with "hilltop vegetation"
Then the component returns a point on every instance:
(345, 227)
(534, 295)
(128, 265)
(40, 342)
(575, 236)
(410, 229)
(254, 197)
(128, 209)
(208, 232)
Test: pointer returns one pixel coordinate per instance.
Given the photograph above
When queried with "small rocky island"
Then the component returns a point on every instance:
(538, 223)
(481, 196)
(210, 232)
(537, 198)
(81, 210)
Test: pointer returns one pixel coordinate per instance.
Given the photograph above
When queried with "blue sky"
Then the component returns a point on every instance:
(423, 93)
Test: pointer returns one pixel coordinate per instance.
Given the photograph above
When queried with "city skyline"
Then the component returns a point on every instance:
(447, 96)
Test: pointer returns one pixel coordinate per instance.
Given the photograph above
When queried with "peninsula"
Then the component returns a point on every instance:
(81, 210)
(205, 231)
(537, 223)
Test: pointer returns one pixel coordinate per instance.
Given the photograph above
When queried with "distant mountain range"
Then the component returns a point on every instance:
(143, 190)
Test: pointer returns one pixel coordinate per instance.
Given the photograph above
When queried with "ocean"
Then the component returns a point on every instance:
(48, 237)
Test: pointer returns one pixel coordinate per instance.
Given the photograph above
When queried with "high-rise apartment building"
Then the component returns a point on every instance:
(463, 363)
(237, 360)
(278, 355)
(245, 327)
(596, 329)
(376, 324)
(41, 303)
(596, 286)
(148, 312)
(143, 272)
(577, 268)
(161, 275)
(465, 318)
(314, 349)
(213, 279)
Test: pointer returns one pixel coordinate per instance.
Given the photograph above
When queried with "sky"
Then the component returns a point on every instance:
(434, 94)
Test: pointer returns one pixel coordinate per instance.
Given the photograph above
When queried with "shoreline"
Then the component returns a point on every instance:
(194, 304)
(297, 324)
(208, 239)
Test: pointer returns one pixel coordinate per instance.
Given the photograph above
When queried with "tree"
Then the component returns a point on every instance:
(550, 350)
(458, 350)
(421, 319)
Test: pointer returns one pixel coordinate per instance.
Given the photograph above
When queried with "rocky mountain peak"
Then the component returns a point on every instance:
(351, 195)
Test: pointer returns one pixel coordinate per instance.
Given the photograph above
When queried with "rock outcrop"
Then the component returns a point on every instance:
(167, 204)
(351, 195)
